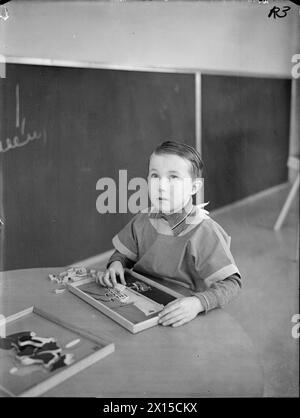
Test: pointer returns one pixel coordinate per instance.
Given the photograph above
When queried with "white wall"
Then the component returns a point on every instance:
(218, 36)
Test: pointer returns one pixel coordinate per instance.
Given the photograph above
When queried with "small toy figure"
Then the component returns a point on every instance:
(113, 297)
(139, 286)
(31, 349)
(72, 274)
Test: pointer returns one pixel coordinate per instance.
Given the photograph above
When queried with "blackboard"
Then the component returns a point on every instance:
(245, 135)
(79, 125)
(83, 124)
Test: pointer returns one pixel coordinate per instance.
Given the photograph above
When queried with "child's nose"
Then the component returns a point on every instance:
(163, 183)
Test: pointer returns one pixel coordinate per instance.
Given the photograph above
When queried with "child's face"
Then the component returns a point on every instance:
(170, 183)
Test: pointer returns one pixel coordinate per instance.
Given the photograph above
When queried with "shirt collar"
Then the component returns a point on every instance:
(176, 217)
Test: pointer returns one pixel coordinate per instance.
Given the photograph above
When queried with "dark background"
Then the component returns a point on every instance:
(245, 136)
(98, 122)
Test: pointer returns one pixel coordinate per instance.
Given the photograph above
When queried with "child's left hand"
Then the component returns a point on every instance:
(180, 311)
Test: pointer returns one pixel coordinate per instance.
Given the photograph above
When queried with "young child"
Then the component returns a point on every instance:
(176, 240)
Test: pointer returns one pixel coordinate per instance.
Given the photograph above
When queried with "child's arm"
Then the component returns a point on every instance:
(109, 277)
(180, 311)
(117, 256)
(114, 269)
(215, 266)
(185, 309)
(220, 293)
(125, 255)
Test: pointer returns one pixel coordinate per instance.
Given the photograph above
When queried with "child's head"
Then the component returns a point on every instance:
(175, 171)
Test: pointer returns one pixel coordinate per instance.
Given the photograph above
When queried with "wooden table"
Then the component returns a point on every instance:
(209, 357)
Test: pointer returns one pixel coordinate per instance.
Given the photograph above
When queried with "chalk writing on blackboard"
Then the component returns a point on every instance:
(23, 137)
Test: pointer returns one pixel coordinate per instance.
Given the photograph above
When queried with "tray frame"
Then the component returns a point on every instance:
(66, 372)
(130, 326)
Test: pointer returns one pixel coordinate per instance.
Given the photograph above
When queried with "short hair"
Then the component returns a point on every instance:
(185, 151)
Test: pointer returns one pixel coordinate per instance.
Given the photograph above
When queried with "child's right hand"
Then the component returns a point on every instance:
(109, 277)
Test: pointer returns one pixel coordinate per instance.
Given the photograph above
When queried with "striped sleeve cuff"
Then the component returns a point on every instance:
(208, 300)
(220, 293)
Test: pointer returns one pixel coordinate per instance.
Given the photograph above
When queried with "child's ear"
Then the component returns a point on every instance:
(197, 185)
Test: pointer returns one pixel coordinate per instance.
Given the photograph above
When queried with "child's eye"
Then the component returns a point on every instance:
(173, 177)
(153, 176)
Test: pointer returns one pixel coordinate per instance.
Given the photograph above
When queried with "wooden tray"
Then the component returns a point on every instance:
(130, 316)
(89, 349)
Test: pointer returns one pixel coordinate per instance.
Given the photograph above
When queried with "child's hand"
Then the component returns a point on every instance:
(109, 277)
(180, 311)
